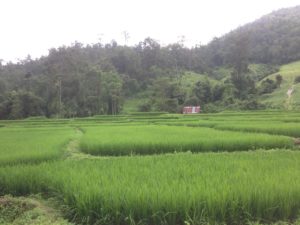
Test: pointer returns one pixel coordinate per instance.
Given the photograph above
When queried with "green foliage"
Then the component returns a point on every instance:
(145, 107)
(278, 98)
(267, 86)
(220, 73)
(130, 86)
(278, 80)
(2, 86)
(203, 92)
(251, 104)
(260, 71)
(297, 80)
(192, 101)
(167, 95)
(112, 86)
(21, 104)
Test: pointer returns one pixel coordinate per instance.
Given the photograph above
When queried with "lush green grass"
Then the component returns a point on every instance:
(288, 129)
(269, 127)
(30, 145)
(155, 139)
(278, 123)
(169, 189)
(279, 97)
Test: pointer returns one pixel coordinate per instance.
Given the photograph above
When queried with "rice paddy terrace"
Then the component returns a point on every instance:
(155, 168)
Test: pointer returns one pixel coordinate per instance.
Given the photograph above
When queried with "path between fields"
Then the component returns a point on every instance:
(288, 101)
(34, 210)
(73, 151)
(297, 141)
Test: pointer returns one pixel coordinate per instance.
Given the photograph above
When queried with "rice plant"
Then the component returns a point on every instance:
(155, 139)
(30, 145)
(231, 188)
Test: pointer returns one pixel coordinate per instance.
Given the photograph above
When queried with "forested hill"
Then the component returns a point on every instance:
(274, 38)
(86, 80)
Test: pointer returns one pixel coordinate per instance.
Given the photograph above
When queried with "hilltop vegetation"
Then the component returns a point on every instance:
(80, 80)
(272, 39)
(279, 97)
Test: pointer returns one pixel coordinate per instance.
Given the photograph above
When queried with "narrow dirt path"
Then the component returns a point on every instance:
(35, 210)
(288, 102)
(297, 141)
(73, 150)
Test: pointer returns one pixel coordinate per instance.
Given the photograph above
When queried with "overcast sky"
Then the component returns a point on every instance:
(34, 26)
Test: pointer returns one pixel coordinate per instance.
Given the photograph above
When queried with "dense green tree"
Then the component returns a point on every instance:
(278, 80)
(239, 59)
(167, 94)
(192, 101)
(2, 86)
(21, 104)
(218, 92)
(297, 80)
(203, 91)
(112, 87)
(267, 86)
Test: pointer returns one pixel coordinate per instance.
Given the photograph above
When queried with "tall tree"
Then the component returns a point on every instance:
(239, 59)
(112, 91)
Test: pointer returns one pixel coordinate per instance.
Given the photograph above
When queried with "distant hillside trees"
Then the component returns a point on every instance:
(86, 80)
(22, 104)
(273, 39)
(239, 59)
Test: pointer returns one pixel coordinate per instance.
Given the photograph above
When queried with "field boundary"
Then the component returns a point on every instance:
(73, 151)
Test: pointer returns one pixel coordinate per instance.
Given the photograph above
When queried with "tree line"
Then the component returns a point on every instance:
(86, 80)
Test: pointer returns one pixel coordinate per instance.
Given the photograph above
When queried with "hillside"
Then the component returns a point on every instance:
(186, 81)
(279, 98)
(85, 80)
(274, 38)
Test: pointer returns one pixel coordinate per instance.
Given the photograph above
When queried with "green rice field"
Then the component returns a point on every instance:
(225, 168)
(32, 145)
(158, 139)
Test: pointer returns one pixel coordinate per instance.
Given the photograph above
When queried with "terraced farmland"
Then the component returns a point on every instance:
(171, 169)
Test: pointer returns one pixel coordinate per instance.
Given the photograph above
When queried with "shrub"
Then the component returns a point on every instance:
(297, 79)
